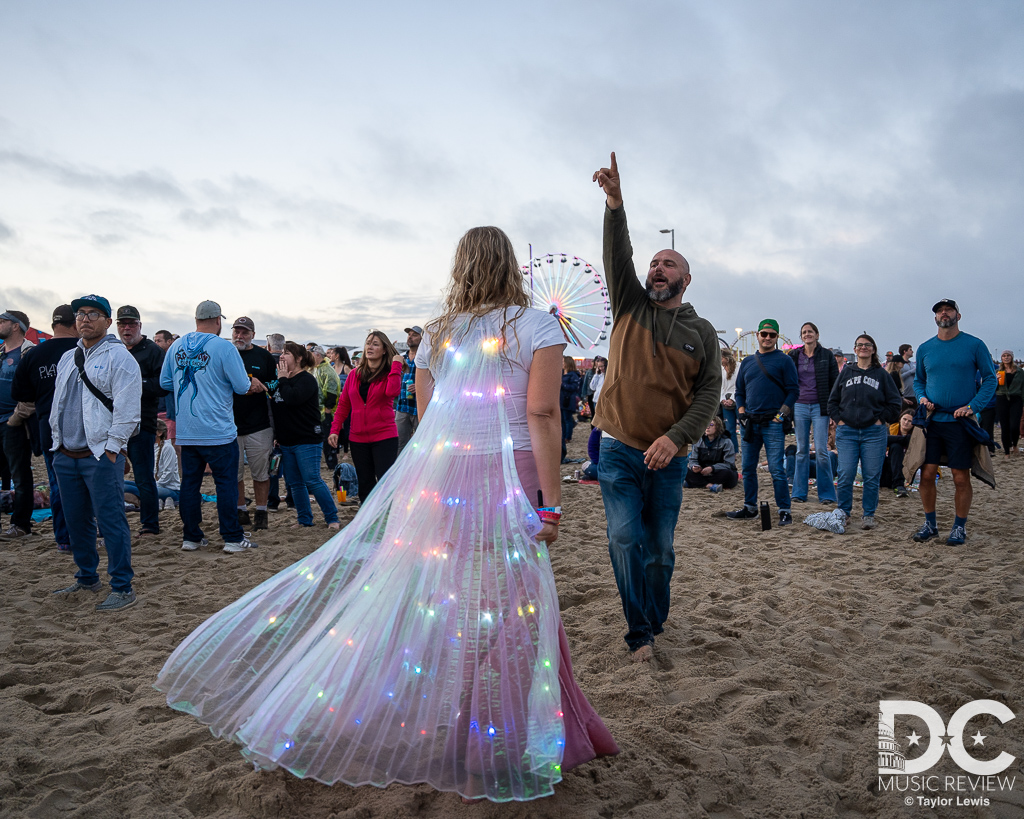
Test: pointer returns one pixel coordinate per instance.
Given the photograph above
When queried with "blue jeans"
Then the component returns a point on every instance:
(223, 461)
(804, 417)
(162, 492)
(868, 447)
(302, 466)
(642, 508)
(729, 417)
(141, 452)
(60, 526)
(92, 492)
(770, 436)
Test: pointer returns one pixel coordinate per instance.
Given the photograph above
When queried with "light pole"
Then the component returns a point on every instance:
(673, 232)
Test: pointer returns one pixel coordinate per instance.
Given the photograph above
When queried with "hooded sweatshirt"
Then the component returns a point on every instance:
(664, 372)
(203, 373)
(861, 398)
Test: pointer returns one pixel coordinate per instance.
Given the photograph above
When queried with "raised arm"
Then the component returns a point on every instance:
(608, 179)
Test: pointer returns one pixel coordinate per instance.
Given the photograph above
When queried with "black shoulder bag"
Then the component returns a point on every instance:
(80, 363)
(787, 420)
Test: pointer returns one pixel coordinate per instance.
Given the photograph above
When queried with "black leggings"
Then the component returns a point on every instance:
(1008, 411)
(371, 461)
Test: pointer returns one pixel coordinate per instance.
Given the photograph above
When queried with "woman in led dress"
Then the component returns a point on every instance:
(423, 643)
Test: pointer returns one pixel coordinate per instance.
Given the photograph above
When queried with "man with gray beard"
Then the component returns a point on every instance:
(662, 387)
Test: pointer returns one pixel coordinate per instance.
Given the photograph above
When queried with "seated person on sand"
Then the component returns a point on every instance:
(712, 460)
(897, 442)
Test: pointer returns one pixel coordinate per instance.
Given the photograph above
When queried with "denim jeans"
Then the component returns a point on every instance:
(642, 508)
(162, 492)
(223, 461)
(142, 454)
(729, 418)
(302, 466)
(18, 451)
(804, 417)
(868, 447)
(92, 492)
(60, 526)
(770, 436)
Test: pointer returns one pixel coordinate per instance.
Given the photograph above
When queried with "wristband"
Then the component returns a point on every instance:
(550, 514)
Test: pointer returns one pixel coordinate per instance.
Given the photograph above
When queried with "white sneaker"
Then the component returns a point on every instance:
(168, 503)
(241, 546)
(191, 545)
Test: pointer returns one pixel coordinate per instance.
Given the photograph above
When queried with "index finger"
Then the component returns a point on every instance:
(615, 167)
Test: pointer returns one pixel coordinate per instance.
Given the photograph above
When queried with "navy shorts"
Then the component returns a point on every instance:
(949, 438)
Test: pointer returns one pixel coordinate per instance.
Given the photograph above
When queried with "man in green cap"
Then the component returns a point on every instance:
(767, 386)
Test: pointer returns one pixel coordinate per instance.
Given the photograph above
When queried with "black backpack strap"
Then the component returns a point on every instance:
(769, 376)
(80, 363)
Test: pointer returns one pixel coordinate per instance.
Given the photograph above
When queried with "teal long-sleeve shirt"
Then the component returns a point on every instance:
(946, 370)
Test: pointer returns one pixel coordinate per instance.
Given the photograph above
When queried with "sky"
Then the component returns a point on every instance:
(313, 165)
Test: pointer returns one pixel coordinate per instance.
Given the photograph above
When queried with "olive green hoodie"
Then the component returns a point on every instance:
(664, 364)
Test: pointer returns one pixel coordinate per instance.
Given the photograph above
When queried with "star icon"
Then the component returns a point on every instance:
(979, 739)
(945, 739)
(913, 739)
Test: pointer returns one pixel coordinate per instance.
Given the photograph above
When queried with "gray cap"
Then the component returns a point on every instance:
(316, 348)
(414, 329)
(208, 310)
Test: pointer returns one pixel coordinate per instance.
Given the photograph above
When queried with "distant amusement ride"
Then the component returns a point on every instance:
(570, 289)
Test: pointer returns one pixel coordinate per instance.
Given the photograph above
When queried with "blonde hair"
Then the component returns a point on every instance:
(365, 372)
(485, 276)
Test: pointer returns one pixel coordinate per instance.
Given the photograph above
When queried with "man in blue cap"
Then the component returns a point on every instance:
(97, 404)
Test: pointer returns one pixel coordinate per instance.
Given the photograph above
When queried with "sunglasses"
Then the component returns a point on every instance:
(768, 335)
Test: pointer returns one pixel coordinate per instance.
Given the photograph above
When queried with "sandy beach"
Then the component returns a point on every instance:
(762, 700)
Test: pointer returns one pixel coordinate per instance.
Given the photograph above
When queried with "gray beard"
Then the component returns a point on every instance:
(672, 291)
(945, 324)
(242, 346)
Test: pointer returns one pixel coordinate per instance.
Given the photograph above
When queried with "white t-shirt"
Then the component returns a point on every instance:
(534, 330)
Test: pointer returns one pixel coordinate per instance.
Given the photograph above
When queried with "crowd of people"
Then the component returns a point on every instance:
(668, 408)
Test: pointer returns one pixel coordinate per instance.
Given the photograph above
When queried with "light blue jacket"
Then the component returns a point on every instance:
(203, 373)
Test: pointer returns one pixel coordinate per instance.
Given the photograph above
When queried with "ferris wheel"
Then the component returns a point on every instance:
(570, 289)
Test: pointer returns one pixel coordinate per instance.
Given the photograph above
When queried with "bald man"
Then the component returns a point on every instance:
(662, 388)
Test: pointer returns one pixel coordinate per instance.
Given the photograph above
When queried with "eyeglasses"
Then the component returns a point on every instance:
(768, 335)
(863, 346)
(91, 315)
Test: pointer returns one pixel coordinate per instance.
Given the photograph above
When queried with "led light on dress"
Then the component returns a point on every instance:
(423, 642)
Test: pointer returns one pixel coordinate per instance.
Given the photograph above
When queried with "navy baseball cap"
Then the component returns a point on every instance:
(944, 303)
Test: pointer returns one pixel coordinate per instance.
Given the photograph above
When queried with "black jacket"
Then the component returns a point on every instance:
(861, 398)
(826, 371)
(150, 357)
(295, 403)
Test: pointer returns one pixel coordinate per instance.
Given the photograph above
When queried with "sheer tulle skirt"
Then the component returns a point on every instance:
(423, 642)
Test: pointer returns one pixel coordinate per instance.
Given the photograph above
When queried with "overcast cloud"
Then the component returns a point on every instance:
(314, 167)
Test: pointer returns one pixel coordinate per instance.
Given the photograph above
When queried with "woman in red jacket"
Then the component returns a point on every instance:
(369, 397)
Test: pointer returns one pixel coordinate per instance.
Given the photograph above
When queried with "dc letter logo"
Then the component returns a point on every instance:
(891, 759)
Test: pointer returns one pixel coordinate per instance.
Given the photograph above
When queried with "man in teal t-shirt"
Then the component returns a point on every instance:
(945, 381)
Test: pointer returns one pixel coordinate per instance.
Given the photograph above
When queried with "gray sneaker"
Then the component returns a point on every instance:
(13, 532)
(241, 546)
(77, 587)
(116, 601)
(868, 522)
(192, 545)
